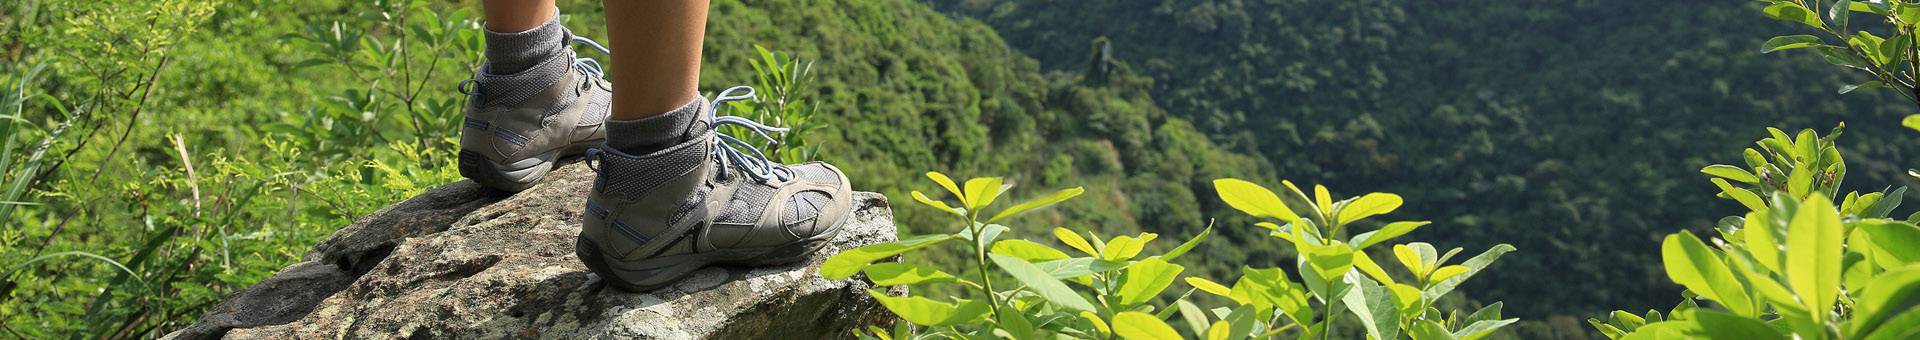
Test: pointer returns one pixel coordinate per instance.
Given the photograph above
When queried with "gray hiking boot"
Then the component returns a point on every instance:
(713, 200)
(518, 124)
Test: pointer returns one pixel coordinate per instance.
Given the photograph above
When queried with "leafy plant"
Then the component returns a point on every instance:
(1847, 39)
(781, 79)
(1339, 277)
(1798, 265)
(1104, 289)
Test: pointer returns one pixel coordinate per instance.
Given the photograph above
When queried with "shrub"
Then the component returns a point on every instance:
(1108, 288)
(1798, 265)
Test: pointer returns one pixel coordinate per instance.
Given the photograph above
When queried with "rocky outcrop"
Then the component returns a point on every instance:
(461, 261)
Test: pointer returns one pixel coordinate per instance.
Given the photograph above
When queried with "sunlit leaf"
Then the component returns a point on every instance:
(1041, 283)
(1027, 250)
(1142, 326)
(1144, 280)
(1369, 205)
(928, 312)
(1056, 197)
(1071, 239)
(1253, 199)
(1814, 246)
(947, 183)
(1692, 264)
(849, 262)
(901, 273)
(1386, 233)
(981, 192)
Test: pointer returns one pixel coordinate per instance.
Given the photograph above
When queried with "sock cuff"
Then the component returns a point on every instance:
(513, 52)
(658, 131)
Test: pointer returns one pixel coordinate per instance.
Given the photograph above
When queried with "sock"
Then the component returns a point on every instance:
(509, 53)
(647, 135)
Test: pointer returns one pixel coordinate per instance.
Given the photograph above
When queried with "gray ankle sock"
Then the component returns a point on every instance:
(646, 135)
(509, 53)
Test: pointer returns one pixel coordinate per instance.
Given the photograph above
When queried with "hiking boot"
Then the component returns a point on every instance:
(517, 125)
(712, 200)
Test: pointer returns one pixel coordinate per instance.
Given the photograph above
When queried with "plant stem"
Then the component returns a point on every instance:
(980, 258)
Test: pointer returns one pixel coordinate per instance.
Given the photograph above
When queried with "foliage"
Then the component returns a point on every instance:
(782, 77)
(1850, 42)
(1797, 265)
(1567, 128)
(1339, 276)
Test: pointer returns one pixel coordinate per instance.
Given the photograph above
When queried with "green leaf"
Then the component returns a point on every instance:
(936, 204)
(1430, 330)
(1056, 197)
(982, 191)
(928, 312)
(901, 273)
(1708, 324)
(1746, 198)
(1142, 326)
(1369, 205)
(1271, 287)
(1386, 233)
(1071, 239)
(1187, 246)
(1869, 85)
(1322, 198)
(1253, 199)
(1791, 12)
(1027, 250)
(1838, 14)
(1887, 296)
(1788, 42)
(846, 263)
(1329, 261)
(1911, 122)
(1195, 317)
(1730, 172)
(1692, 264)
(1123, 248)
(1144, 280)
(1214, 288)
(1376, 306)
(1814, 246)
(947, 183)
(1016, 324)
(1041, 283)
(1474, 266)
(1897, 239)
(1482, 329)
(1762, 240)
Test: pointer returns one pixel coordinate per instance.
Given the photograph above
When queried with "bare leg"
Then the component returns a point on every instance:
(516, 15)
(656, 59)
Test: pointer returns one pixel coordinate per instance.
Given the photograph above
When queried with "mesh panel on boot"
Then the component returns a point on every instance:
(509, 89)
(599, 105)
(748, 203)
(631, 178)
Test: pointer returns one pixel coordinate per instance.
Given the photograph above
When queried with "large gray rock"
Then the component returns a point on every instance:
(460, 261)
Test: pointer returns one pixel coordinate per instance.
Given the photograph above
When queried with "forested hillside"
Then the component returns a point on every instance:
(1572, 129)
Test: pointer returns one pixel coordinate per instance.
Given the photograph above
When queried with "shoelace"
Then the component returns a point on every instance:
(731, 152)
(730, 149)
(585, 65)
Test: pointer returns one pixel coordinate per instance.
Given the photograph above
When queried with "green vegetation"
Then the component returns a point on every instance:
(1338, 276)
(1566, 128)
(1797, 265)
(157, 155)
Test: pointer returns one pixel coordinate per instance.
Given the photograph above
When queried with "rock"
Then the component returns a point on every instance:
(461, 261)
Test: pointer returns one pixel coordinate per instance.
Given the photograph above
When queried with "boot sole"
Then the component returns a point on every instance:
(518, 175)
(649, 274)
